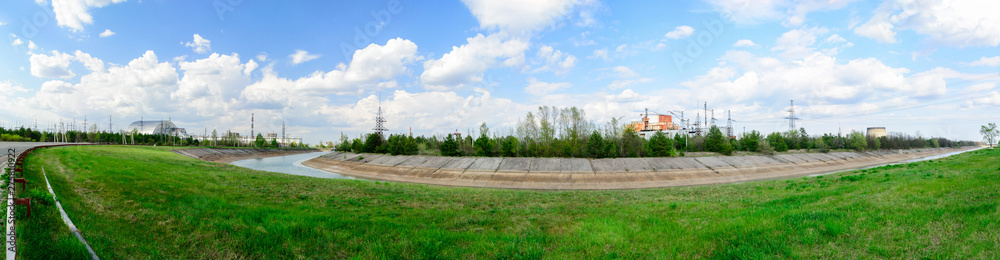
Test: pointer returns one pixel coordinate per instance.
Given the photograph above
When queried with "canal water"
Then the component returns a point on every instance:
(289, 164)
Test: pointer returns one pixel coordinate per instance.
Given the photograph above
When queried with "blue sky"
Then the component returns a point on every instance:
(929, 67)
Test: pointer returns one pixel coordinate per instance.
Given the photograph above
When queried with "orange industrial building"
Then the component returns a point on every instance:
(662, 123)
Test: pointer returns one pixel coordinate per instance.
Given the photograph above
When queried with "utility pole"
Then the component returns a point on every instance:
(251, 131)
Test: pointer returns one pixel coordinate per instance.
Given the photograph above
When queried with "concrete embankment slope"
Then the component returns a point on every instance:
(586, 174)
(228, 155)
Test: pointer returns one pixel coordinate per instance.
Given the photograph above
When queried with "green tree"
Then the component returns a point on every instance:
(357, 146)
(373, 143)
(274, 142)
(595, 145)
(776, 141)
(680, 142)
(259, 142)
(714, 141)
(508, 148)
(660, 145)
(821, 145)
(990, 133)
(857, 140)
(450, 146)
(749, 141)
(483, 146)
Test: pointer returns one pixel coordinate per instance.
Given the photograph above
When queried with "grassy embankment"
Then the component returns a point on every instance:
(145, 202)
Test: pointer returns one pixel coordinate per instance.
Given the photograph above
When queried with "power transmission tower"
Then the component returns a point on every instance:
(729, 123)
(282, 134)
(791, 116)
(379, 127)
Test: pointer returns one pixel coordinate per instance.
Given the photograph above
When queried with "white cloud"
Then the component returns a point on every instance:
(986, 61)
(539, 88)
(370, 68)
(17, 42)
(89, 62)
(142, 87)
(465, 64)
(519, 16)
(798, 43)
(959, 23)
(625, 72)
(2, 24)
(627, 76)
(680, 32)
(262, 57)
(73, 14)
(301, 56)
(11, 87)
(819, 80)
(745, 43)
(621, 83)
(436, 111)
(106, 33)
(31, 45)
(555, 60)
(199, 45)
(792, 13)
(212, 86)
(55, 65)
(993, 98)
(600, 53)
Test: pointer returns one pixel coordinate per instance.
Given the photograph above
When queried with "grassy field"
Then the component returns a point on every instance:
(143, 202)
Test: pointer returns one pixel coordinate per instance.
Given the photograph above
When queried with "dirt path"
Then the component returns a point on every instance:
(602, 174)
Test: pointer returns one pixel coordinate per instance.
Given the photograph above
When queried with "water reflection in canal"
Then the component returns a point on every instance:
(289, 164)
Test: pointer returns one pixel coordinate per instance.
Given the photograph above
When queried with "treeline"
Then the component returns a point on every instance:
(552, 132)
(227, 140)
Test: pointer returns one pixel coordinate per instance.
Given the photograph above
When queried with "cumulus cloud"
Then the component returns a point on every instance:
(74, 14)
(959, 23)
(434, 110)
(466, 64)
(680, 32)
(986, 61)
(199, 45)
(555, 60)
(600, 54)
(519, 16)
(11, 87)
(17, 42)
(791, 13)
(31, 45)
(54, 65)
(373, 67)
(106, 33)
(627, 77)
(745, 43)
(141, 87)
(539, 88)
(301, 56)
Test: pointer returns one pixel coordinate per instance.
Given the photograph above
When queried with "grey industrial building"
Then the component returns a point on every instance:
(162, 127)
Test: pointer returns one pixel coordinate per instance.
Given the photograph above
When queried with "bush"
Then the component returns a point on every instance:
(765, 148)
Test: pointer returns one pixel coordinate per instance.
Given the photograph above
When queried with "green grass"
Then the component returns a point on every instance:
(139, 202)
